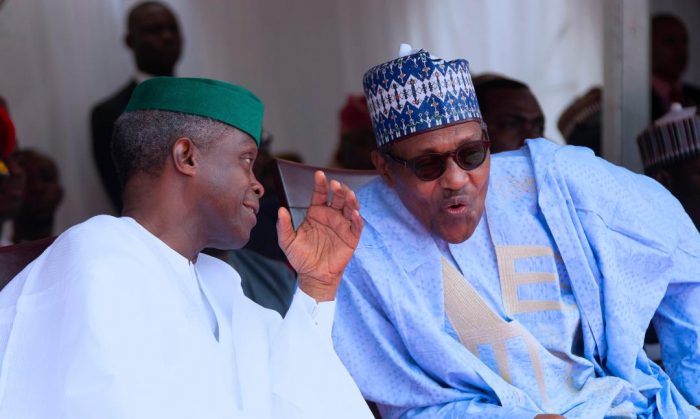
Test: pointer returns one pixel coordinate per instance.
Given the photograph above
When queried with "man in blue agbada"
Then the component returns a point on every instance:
(513, 285)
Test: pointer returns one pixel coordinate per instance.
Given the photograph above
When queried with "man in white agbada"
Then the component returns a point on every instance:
(125, 318)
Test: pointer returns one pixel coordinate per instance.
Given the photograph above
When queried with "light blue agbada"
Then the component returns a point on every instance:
(571, 261)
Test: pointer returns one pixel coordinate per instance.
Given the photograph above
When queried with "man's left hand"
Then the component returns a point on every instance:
(323, 244)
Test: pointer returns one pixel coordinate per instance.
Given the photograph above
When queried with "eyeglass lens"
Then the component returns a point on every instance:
(468, 156)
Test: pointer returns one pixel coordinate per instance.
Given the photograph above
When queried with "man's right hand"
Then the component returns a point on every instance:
(323, 245)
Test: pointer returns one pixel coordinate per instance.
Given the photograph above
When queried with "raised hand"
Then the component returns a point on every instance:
(322, 246)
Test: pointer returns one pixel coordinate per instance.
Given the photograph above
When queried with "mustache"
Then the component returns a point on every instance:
(454, 194)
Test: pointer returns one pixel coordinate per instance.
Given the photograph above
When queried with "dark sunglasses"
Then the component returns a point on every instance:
(431, 166)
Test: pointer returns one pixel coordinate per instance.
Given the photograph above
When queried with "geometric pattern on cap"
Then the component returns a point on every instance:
(670, 139)
(417, 93)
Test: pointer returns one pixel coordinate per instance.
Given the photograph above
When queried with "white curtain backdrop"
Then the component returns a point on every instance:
(59, 57)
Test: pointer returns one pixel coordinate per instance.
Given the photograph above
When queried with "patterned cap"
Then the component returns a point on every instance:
(673, 137)
(418, 92)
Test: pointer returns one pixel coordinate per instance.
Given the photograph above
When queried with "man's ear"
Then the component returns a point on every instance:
(185, 156)
(381, 165)
(663, 177)
(129, 40)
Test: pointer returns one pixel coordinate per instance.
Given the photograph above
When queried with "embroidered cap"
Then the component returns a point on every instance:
(224, 102)
(671, 138)
(418, 92)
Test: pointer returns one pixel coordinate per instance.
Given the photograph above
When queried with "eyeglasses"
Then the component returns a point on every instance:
(431, 166)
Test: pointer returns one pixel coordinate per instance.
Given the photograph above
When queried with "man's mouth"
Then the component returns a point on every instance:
(455, 205)
(253, 207)
(456, 209)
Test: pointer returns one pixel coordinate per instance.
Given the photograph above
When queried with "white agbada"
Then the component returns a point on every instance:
(110, 322)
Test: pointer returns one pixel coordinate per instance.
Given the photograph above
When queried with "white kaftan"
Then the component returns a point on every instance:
(110, 322)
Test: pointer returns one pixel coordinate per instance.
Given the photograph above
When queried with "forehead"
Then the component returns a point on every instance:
(665, 27)
(440, 140)
(152, 14)
(238, 141)
(512, 101)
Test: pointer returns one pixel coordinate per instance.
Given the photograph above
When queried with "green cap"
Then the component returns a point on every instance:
(221, 101)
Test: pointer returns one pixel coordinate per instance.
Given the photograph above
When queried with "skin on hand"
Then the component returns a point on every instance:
(324, 243)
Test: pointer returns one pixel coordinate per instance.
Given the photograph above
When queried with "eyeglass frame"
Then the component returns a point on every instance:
(410, 163)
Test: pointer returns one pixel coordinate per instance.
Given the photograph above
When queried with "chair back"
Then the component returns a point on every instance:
(14, 258)
(295, 182)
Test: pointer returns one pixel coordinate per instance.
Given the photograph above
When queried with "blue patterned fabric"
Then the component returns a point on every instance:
(417, 93)
(624, 251)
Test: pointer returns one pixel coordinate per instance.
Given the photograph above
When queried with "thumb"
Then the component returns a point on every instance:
(285, 230)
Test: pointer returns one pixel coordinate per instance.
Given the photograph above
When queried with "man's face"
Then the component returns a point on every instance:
(669, 49)
(511, 116)
(228, 190)
(11, 190)
(43, 191)
(154, 37)
(450, 206)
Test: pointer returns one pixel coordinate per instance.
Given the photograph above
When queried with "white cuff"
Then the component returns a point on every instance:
(321, 314)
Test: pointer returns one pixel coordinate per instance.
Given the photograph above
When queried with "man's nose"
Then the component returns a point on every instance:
(531, 129)
(169, 34)
(454, 177)
(258, 188)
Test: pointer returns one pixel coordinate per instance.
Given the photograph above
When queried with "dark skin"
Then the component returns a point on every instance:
(450, 206)
(669, 48)
(154, 38)
(43, 194)
(683, 180)
(211, 196)
(11, 190)
(512, 115)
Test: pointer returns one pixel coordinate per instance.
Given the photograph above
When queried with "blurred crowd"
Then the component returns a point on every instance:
(30, 186)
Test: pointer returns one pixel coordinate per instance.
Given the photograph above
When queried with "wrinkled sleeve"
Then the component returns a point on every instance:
(309, 381)
(677, 320)
(321, 314)
(372, 349)
(655, 228)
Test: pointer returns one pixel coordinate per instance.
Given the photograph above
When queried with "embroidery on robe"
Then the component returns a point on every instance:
(511, 280)
(477, 324)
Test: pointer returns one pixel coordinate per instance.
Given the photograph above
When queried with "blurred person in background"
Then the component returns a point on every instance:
(511, 112)
(579, 123)
(154, 38)
(669, 60)
(12, 176)
(670, 150)
(43, 194)
(356, 136)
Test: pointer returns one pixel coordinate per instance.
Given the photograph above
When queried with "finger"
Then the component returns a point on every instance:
(356, 223)
(320, 193)
(339, 192)
(285, 230)
(348, 211)
(351, 200)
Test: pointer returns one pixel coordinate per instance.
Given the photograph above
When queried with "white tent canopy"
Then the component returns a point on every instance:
(301, 57)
